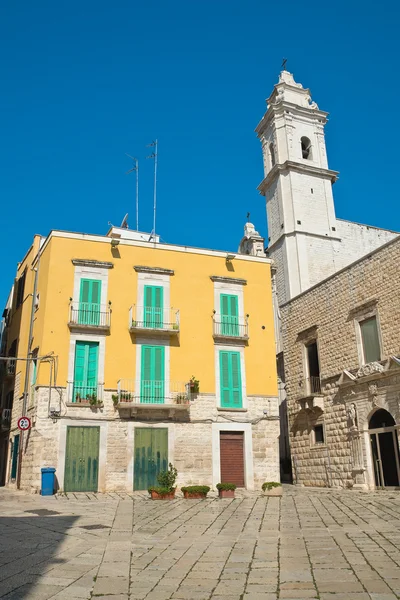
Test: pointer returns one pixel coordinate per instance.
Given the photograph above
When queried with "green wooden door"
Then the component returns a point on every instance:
(82, 459)
(229, 315)
(151, 456)
(230, 379)
(89, 302)
(85, 370)
(153, 306)
(14, 462)
(152, 375)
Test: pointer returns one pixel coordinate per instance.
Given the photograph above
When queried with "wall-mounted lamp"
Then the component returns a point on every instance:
(114, 243)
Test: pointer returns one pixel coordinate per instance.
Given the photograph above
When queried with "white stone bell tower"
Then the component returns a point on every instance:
(297, 185)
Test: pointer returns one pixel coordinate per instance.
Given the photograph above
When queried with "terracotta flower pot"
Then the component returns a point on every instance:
(276, 491)
(226, 493)
(156, 496)
(197, 495)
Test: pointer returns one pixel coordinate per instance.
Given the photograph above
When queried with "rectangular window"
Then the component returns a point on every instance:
(21, 289)
(313, 372)
(89, 302)
(152, 375)
(86, 371)
(370, 340)
(319, 436)
(230, 379)
(229, 315)
(153, 306)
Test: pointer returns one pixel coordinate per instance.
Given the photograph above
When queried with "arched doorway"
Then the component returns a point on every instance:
(385, 449)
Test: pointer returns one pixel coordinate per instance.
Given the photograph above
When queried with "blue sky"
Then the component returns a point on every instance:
(84, 82)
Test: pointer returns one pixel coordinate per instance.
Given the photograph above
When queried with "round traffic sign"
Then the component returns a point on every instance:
(24, 423)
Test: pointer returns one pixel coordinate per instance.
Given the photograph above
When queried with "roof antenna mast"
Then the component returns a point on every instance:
(136, 169)
(154, 155)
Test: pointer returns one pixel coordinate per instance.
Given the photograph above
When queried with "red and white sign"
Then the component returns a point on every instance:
(24, 423)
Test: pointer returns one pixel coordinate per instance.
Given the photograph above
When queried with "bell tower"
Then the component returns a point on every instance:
(297, 186)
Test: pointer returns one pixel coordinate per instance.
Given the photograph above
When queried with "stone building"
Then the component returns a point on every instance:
(325, 306)
(341, 344)
(127, 354)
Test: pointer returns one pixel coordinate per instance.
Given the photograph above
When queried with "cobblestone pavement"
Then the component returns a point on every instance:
(337, 545)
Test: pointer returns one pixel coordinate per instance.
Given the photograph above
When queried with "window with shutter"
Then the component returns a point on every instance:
(153, 306)
(370, 340)
(89, 302)
(86, 370)
(230, 379)
(229, 315)
(152, 375)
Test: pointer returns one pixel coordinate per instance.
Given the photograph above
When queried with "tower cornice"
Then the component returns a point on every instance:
(290, 165)
(279, 109)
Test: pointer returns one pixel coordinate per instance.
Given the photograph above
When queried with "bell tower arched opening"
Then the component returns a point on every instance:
(385, 449)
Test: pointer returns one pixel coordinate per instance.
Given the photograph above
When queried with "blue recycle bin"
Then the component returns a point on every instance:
(48, 481)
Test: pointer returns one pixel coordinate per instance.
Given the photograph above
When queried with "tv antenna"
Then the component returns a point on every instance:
(136, 169)
(154, 155)
(124, 224)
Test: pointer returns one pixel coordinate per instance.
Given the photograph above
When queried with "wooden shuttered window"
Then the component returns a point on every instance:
(89, 302)
(230, 379)
(229, 314)
(153, 306)
(370, 340)
(86, 370)
(152, 383)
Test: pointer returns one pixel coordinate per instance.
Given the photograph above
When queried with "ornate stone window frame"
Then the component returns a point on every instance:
(359, 314)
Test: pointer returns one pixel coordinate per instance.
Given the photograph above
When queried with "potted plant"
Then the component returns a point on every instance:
(115, 399)
(272, 488)
(125, 397)
(194, 385)
(166, 489)
(226, 490)
(181, 399)
(175, 326)
(195, 491)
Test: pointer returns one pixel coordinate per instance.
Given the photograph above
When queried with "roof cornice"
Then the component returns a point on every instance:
(290, 165)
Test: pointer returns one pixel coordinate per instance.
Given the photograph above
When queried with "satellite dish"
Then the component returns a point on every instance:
(124, 224)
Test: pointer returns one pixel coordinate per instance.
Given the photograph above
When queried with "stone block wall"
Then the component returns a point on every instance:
(328, 313)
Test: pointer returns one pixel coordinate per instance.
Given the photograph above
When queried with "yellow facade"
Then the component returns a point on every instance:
(192, 292)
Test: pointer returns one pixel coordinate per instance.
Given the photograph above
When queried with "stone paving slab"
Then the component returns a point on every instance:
(326, 544)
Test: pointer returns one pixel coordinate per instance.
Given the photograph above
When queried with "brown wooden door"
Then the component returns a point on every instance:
(232, 457)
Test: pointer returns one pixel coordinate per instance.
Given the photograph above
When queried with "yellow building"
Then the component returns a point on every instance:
(139, 354)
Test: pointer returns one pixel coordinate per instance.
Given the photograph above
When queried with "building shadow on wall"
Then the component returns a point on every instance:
(28, 553)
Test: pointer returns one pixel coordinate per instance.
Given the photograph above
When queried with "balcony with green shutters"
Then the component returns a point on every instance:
(227, 324)
(157, 321)
(88, 312)
(140, 396)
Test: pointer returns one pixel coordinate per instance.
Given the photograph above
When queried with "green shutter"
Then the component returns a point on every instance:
(86, 370)
(89, 302)
(370, 338)
(153, 306)
(230, 379)
(152, 375)
(229, 315)
(14, 463)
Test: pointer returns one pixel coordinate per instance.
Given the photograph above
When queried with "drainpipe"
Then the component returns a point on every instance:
(27, 367)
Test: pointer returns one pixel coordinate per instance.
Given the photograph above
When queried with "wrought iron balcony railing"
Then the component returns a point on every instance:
(84, 393)
(310, 386)
(153, 392)
(156, 319)
(89, 315)
(230, 327)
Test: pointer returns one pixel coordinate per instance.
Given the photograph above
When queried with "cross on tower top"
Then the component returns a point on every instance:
(284, 64)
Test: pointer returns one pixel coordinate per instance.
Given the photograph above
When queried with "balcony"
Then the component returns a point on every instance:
(5, 418)
(309, 393)
(85, 394)
(89, 315)
(139, 396)
(157, 321)
(7, 367)
(228, 328)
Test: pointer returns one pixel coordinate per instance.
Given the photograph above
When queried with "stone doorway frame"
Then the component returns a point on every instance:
(379, 467)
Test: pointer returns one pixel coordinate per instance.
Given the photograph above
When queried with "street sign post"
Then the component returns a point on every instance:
(24, 423)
